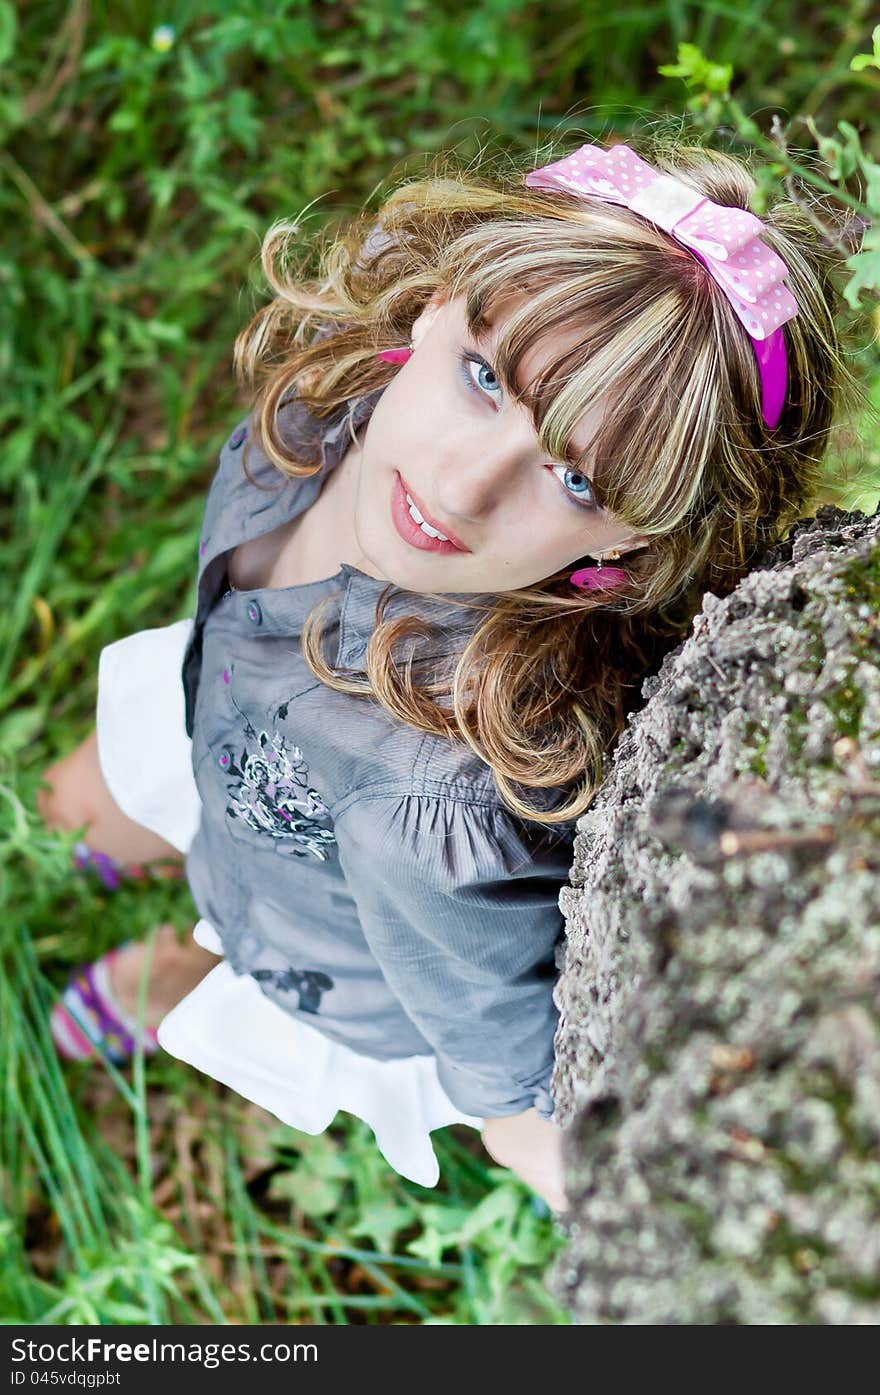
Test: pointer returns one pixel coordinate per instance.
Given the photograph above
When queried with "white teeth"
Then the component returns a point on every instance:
(425, 527)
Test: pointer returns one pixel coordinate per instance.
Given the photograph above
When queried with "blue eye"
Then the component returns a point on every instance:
(465, 362)
(585, 500)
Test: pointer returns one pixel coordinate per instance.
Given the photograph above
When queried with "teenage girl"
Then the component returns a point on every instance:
(372, 741)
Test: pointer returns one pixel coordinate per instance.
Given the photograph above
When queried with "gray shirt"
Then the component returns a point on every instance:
(368, 876)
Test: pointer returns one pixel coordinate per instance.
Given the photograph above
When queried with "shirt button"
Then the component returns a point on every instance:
(237, 437)
(224, 760)
(254, 613)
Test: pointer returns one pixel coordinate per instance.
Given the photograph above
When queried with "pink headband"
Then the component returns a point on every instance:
(725, 239)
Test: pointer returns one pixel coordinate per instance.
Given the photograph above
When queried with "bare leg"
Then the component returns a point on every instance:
(175, 969)
(78, 795)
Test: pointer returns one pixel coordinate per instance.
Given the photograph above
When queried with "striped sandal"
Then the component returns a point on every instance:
(112, 873)
(88, 1022)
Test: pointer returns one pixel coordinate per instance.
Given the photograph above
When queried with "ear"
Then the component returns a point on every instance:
(634, 544)
(426, 316)
(631, 545)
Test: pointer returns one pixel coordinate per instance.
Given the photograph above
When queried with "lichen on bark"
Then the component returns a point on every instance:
(718, 1055)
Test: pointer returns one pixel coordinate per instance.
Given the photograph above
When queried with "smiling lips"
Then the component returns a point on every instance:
(451, 537)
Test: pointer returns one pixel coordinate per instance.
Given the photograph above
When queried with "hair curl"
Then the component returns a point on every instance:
(689, 464)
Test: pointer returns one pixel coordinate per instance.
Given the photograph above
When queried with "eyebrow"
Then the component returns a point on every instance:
(572, 456)
(487, 335)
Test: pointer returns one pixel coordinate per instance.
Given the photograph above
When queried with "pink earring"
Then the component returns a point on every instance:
(599, 578)
(396, 355)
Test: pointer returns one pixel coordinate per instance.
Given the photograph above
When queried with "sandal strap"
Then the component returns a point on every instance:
(108, 869)
(89, 1001)
(111, 872)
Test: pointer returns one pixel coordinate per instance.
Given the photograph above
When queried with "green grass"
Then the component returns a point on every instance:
(136, 179)
(156, 1196)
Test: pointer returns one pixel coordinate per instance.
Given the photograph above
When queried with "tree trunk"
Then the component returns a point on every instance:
(718, 1055)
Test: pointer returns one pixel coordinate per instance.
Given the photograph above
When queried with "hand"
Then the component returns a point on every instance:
(530, 1146)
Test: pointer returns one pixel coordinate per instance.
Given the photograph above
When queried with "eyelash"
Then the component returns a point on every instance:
(464, 359)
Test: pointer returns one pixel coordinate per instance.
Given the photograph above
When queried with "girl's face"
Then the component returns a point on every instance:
(471, 461)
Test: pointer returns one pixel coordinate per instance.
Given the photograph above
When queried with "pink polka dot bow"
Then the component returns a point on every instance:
(726, 240)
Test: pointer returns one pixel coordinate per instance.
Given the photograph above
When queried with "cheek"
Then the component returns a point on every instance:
(421, 398)
(403, 433)
(382, 436)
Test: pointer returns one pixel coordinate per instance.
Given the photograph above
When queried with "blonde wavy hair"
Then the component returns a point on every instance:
(683, 456)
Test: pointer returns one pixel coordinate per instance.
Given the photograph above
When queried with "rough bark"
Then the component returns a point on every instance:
(718, 1058)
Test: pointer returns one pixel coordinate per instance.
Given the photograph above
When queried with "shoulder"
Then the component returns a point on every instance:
(244, 477)
(243, 461)
(246, 483)
(453, 837)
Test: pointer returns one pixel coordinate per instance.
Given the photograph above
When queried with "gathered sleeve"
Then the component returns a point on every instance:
(459, 903)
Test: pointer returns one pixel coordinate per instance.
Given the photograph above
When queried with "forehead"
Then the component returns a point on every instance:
(533, 362)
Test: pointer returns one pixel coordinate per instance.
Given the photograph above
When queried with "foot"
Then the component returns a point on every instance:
(175, 970)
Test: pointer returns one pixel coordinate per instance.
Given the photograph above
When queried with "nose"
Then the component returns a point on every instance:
(488, 472)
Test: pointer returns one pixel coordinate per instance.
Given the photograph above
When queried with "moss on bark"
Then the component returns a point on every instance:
(718, 1056)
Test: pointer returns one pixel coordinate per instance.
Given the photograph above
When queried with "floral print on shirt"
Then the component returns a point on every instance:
(270, 790)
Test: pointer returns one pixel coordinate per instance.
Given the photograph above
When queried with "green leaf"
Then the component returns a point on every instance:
(8, 31)
(699, 71)
(18, 729)
(865, 269)
(501, 1204)
(381, 1221)
(443, 1226)
(316, 1181)
(868, 60)
(123, 120)
(312, 1193)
